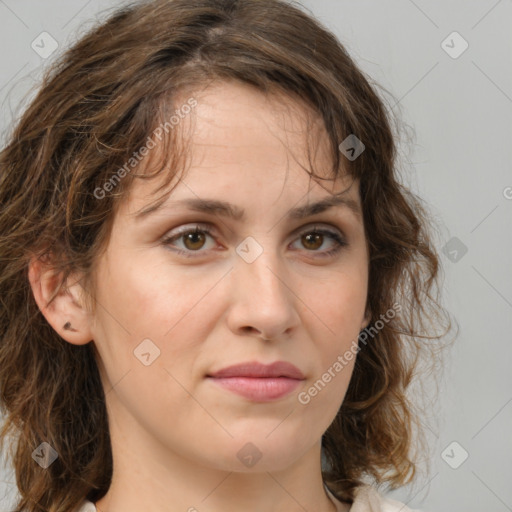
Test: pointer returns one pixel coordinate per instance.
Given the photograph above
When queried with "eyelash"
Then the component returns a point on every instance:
(340, 242)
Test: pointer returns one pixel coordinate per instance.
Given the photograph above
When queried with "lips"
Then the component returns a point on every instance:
(258, 382)
(255, 369)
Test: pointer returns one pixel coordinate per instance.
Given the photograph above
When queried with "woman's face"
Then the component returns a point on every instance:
(259, 287)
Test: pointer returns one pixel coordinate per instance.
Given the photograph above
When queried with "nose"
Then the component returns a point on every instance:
(263, 301)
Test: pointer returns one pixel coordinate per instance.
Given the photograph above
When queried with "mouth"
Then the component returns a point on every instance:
(258, 382)
(258, 389)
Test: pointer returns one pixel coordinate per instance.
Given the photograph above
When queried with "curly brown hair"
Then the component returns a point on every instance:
(97, 105)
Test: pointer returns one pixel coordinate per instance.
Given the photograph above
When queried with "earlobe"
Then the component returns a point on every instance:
(68, 327)
(65, 313)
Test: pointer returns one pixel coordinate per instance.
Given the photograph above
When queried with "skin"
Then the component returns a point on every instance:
(175, 434)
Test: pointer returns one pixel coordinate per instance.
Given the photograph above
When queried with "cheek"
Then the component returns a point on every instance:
(151, 296)
(338, 309)
(151, 307)
(338, 312)
(339, 302)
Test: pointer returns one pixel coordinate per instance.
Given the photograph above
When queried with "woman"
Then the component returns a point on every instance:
(215, 292)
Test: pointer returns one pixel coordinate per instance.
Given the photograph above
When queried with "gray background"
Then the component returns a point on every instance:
(458, 107)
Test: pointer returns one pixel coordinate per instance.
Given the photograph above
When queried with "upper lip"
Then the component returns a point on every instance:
(255, 369)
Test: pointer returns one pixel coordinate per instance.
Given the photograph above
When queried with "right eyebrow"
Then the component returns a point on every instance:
(226, 209)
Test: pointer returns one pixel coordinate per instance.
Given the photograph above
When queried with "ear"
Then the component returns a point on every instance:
(66, 313)
(366, 320)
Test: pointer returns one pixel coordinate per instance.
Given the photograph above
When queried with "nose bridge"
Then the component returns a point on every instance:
(263, 297)
(259, 267)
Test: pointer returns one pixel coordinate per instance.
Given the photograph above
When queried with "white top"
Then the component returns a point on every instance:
(367, 499)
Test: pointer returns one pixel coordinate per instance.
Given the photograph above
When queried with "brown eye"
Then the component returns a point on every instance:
(315, 238)
(194, 240)
(312, 241)
(191, 240)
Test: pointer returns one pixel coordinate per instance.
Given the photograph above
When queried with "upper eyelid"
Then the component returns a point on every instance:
(336, 234)
(192, 226)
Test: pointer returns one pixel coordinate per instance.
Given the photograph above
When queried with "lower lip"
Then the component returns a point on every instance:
(257, 388)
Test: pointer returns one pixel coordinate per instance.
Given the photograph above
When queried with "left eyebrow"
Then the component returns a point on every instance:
(226, 209)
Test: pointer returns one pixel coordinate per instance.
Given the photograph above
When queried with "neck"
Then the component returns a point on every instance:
(149, 476)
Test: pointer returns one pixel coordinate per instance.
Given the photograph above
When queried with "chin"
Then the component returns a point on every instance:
(258, 456)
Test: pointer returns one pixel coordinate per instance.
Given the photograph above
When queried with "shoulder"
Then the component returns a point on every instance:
(368, 499)
(86, 506)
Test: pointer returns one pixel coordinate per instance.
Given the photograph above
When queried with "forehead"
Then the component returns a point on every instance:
(238, 138)
(233, 118)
